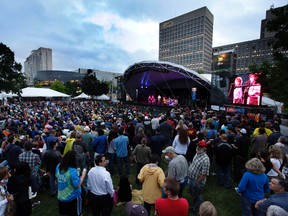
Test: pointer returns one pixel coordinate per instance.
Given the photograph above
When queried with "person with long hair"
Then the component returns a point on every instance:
(181, 142)
(69, 185)
(264, 157)
(276, 157)
(253, 186)
(5, 197)
(18, 185)
(124, 189)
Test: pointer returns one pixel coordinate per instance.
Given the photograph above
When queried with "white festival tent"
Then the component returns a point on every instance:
(41, 92)
(4, 95)
(102, 97)
(85, 96)
(266, 101)
(82, 96)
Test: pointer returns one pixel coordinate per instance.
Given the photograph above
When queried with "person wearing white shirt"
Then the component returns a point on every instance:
(100, 185)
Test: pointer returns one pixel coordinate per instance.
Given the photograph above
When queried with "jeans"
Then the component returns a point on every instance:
(53, 184)
(111, 162)
(195, 190)
(223, 176)
(123, 161)
(4, 164)
(248, 207)
(182, 184)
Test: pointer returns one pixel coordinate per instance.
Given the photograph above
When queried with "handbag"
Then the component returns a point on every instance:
(10, 208)
(115, 197)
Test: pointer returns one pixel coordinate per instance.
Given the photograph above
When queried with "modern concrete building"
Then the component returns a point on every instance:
(40, 59)
(187, 40)
(105, 76)
(248, 53)
(254, 51)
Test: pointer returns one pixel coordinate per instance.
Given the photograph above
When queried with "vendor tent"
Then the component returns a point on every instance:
(266, 101)
(4, 95)
(41, 92)
(102, 97)
(82, 96)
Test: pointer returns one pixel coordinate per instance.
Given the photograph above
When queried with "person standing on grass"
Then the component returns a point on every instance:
(51, 159)
(69, 185)
(152, 178)
(142, 156)
(172, 205)
(34, 162)
(253, 186)
(279, 198)
(157, 142)
(197, 173)
(101, 188)
(121, 146)
(223, 156)
(177, 168)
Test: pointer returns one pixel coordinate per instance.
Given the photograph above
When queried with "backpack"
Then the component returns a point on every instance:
(78, 149)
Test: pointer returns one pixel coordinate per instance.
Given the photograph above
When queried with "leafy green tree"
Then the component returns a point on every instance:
(71, 88)
(58, 86)
(93, 87)
(279, 75)
(11, 77)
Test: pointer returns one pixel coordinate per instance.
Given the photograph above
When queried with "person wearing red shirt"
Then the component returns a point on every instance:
(172, 205)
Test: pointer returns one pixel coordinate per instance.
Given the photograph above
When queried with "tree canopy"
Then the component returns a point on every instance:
(58, 86)
(11, 77)
(279, 73)
(92, 86)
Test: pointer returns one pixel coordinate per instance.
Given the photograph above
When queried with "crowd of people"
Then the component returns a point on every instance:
(78, 144)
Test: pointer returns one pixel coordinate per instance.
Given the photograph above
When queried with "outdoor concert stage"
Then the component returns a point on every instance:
(166, 84)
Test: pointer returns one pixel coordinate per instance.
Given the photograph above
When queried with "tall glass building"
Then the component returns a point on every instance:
(187, 40)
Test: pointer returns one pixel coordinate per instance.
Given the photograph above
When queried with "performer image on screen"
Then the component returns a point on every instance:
(252, 90)
(238, 91)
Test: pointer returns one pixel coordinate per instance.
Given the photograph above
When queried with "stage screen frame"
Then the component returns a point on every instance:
(245, 89)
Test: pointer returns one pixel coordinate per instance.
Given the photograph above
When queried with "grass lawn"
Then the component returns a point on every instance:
(226, 201)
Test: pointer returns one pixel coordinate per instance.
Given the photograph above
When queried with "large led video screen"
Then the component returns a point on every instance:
(245, 89)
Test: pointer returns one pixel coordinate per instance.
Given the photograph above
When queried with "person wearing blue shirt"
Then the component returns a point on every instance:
(121, 147)
(253, 186)
(279, 198)
(69, 185)
(100, 143)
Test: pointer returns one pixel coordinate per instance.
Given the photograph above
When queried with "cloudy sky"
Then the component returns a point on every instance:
(111, 35)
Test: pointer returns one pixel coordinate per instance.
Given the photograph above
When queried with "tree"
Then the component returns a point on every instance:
(58, 86)
(71, 88)
(279, 75)
(11, 77)
(93, 87)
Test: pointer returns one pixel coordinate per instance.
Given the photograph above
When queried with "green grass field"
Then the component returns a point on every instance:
(226, 201)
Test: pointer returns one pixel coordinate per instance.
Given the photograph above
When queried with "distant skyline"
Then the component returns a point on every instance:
(111, 35)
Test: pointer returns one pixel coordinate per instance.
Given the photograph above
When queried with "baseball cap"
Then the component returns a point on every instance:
(168, 149)
(133, 209)
(243, 131)
(202, 144)
(87, 128)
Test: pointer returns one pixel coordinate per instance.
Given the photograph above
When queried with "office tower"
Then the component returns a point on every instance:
(40, 59)
(187, 40)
